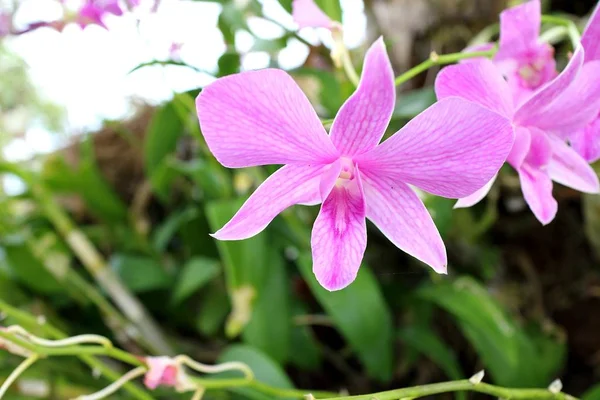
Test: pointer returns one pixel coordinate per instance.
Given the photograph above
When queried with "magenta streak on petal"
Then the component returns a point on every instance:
(403, 218)
(329, 177)
(364, 117)
(339, 235)
(570, 169)
(451, 149)
(262, 117)
(308, 15)
(291, 184)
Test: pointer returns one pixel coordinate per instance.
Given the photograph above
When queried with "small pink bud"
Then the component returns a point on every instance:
(162, 371)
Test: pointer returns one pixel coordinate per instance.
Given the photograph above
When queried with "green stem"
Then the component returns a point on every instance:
(435, 59)
(572, 29)
(25, 319)
(28, 362)
(462, 385)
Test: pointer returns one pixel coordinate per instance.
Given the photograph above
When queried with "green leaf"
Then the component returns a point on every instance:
(592, 394)
(214, 181)
(412, 103)
(513, 356)
(196, 273)
(252, 265)
(361, 314)
(331, 95)
(165, 232)
(271, 46)
(265, 369)
(270, 327)
(229, 63)
(28, 268)
(140, 274)
(215, 308)
(305, 352)
(428, 343)
(332, 8)
(165, 129)
(286, 4)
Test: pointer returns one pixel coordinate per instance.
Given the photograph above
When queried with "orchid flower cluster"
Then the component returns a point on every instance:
(88, 12)
(516, 108)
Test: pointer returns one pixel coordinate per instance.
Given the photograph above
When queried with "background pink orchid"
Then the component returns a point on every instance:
(525, 61)
(307, 14)
(262, 117)
(542, 124)
(587, 141)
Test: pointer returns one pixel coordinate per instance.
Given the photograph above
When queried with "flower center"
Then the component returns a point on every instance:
(347, 172)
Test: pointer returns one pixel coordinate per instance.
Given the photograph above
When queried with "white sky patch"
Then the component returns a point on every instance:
(86, 71)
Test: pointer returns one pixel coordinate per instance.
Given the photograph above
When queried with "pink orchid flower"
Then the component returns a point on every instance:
(526, 62)
(587, 141)
(542, 124)
(262, 117)
(92, 12)
(307, 14)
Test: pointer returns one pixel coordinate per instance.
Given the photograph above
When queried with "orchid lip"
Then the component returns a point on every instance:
(347, 171)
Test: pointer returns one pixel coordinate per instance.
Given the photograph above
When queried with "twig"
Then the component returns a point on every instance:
(116, 385)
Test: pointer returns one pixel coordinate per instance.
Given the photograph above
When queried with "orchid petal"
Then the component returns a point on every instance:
(540, 149)
(537, 190)
(576, 107)
(530, 112)
(591, 37)
(339, 235)
(402, 217)
(519, 29)
(570, 169)
(520, 148)
(291, 184)
(587, 141)
(451, 149)
(480, 82)
(308, 15)
(261, 117)
(364, 117)
(477, 196)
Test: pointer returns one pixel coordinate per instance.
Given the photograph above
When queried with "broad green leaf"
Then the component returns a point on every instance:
(592, 394)
(164, 131)
(214, 180)
(270, 327)
(265, 369)
(214, 310)
(412, 103)
(512, 356)
(244, 260)
(332, 8)
(30, 269)
(286, 4)
(196, 273)
(229, 63)
(165, 231)
(304, 352)
(424, 340)
(362, 316)
(140, 274)
(251, 265)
